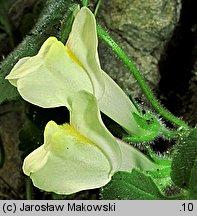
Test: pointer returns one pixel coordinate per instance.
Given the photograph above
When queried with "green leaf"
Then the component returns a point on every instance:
(131, 186)
(49, 23)
(184, 164)
(193, 182)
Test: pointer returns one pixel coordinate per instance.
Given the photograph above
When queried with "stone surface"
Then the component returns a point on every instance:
(141, 28)
(142, 23)
(11, 176)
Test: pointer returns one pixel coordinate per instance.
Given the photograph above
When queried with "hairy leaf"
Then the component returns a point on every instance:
(131, 186)
(184, 164)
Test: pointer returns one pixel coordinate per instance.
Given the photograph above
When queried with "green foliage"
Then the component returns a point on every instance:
(152, 184)
(48, 24)
(131, 186)
(184, 165)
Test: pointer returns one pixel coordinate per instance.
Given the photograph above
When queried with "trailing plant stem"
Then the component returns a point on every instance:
(140, 79)
(97, 7)
(85, 3)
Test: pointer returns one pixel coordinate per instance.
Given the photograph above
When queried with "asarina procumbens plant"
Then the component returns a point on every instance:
(84, 154)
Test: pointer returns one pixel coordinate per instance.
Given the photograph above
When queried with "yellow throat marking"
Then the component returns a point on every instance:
(73, 57)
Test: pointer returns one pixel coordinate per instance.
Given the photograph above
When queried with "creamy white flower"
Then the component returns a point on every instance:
(80, 155)
(58, 71)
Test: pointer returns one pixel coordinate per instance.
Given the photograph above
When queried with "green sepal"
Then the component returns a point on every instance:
(150, 124)
(147, 121)
(160, 175)
(159, 160)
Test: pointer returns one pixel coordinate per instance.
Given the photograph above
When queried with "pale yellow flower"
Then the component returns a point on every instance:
(80, 155)
(58, 71)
